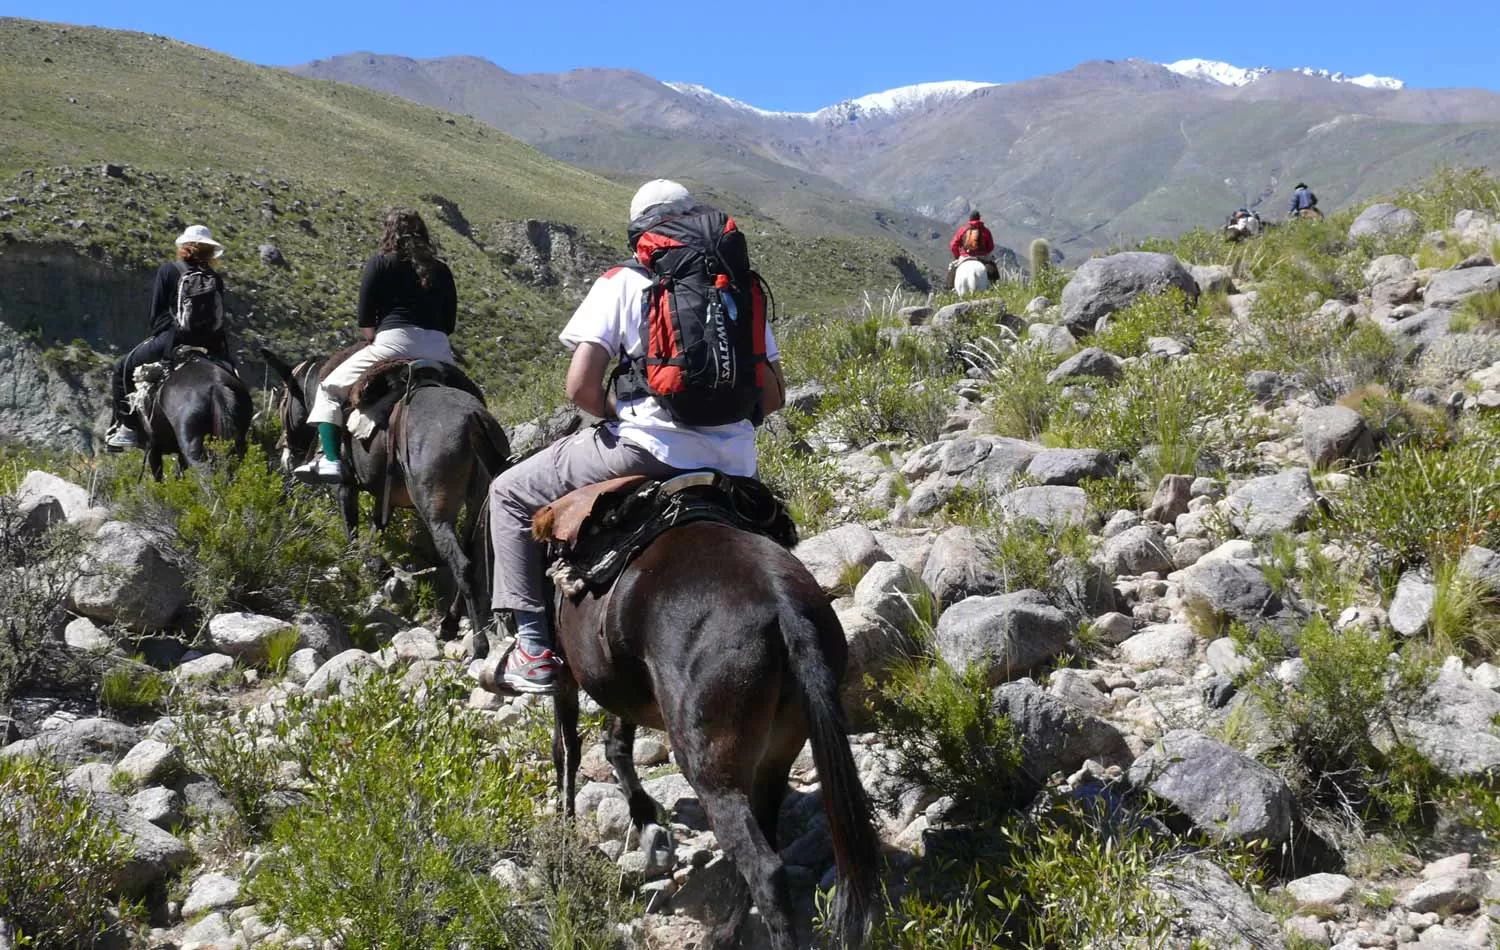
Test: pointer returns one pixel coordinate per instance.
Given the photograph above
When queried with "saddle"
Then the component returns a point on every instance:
(376, 392)
(147, 378)
(596, 531)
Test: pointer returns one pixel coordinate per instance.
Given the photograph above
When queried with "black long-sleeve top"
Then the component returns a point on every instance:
(164, 307)
(391, 295)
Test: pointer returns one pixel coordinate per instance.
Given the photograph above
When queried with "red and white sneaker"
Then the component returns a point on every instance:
(525, 673)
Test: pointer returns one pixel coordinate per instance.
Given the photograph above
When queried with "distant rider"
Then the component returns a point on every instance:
(973, 239)
(1304, 203)
(641, 437)
(408, 306)
(187, 309)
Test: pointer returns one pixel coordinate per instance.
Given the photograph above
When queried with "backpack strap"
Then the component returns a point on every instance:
(628, 378)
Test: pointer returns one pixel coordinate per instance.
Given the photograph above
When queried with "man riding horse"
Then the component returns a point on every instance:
(642, 435)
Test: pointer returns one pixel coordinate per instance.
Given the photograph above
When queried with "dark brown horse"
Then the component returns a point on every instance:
(723, 639)
(442, 466)
(198, 399)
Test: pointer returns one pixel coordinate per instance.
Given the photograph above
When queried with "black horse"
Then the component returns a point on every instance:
(722, 638)
(198, 399)
(447, 451)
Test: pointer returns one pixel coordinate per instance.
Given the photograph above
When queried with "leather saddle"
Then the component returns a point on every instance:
(374, 396)
(595, 531)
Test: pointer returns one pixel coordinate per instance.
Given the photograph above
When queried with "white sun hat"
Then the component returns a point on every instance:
(198, 234)
(660, 196)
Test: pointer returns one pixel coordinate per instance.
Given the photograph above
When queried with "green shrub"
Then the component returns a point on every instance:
(1021, 399)
(132, 690)
(1447, 191)
(1419, 503)
(248, 538)
(946, 735)
(1397, 421)
(58, 858)
(1465, 613)
(279, 648)
(807, 483)
(235, 752)
(1192, 413)
(1482, 309)
(885, 397)
(1335, 727)
(409, 802)
(1169, 314)
(36, 573)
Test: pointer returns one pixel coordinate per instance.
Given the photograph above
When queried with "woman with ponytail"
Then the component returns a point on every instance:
(407, 308)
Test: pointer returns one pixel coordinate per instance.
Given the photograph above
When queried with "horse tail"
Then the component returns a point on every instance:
(491, 451)
(851, 822)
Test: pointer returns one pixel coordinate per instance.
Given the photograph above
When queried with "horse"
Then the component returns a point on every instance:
(198, 399)
(970, 277)
(722, 638)
(441, 467)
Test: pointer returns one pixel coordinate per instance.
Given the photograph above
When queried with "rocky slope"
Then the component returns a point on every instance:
(1214, 533)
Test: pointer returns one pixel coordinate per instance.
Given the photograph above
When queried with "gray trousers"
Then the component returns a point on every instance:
(583, 458)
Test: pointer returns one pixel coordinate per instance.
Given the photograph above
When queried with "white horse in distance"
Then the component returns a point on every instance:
(970, 277)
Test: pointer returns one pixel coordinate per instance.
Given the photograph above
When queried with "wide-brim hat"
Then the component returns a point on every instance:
(198, 234)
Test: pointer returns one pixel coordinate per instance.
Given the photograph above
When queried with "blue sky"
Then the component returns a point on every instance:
(804, 55)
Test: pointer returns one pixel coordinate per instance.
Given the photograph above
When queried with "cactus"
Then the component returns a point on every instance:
(1041, 256)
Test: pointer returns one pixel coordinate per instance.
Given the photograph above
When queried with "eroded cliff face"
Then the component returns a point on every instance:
(63, 318)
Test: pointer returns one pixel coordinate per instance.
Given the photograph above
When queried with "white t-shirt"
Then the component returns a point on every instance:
(611, 317)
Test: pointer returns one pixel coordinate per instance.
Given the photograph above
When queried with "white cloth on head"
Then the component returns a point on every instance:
(611, 316)
(661, 196)
(397, 343)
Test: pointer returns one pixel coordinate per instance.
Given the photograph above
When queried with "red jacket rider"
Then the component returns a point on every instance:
(986, 240)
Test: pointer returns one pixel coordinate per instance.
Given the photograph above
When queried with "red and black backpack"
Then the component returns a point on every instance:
(705, 321)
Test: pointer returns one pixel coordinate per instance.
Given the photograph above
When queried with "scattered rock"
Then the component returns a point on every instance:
(956, 568)
(1173, 493)
(1209, 908)
(829, 556)
(1411, 607)
(1225, 793)
(1456, 892)
(341, 673)
(1136, 551)
(211, 892)
(1090, 362)
(1212, 278)
(963, 453)
(1069, 466)
(126, 580)
(74, 743)
(1103, 285)
(1273, 504)
(1056, 737)
(1447, 289)
(150, 762)
(418, 643)
(160, 806)
(1453, 725)
(1229, 589)
(1335, 433)
(1384, 220)
(1052, 506)
(1159, 645)
(244, 636)
(201, 669)
(1005, 634)
(301, 665)
(82, 634)
(1325, 889)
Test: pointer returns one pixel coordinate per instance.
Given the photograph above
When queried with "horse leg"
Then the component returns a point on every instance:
(619, 750)
(349, 508)
(567, 746)
(153, 461)
(735, 823)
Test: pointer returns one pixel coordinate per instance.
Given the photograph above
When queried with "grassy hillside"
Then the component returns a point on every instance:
(263, 156)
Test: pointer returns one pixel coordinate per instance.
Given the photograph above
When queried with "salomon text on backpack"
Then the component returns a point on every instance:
(200, 306)
(705, 321)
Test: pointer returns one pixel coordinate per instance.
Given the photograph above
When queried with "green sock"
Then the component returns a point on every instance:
(328, 435)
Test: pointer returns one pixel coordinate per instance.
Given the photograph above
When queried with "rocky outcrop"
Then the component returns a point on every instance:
(1384, 220)
(1106, 284)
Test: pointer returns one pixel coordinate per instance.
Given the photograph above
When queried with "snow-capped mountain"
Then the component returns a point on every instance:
(887, 104)
(1226, 74)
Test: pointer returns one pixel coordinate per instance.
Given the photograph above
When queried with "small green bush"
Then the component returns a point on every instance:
(1021, 399)
(36, 573)
(409, 802)
(1169, 314)
(1482, 309)
(886, 397)
(59, 859)
(235, 752)
(279, 649)
(248, 538)
(132, 690)
(946, 734)
(807, 483)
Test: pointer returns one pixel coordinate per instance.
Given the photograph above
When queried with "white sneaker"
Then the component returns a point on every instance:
(119, 438)
(320, 469)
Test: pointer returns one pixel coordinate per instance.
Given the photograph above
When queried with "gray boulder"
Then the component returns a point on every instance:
(1273, 503)
(77, 742)
(830, 555)
(342, 673)
(896, 594)
(875, 648)
(1209, 909)
(1450, 288)
(1411, 606)
(968, 309)
(1384, 220)
(1055, 736)
(1388, 268)
(203, 668)
(963, 453)
(1334, 433)
(1419, 331)
(1055, 339)
(1069, 466)
(82, 634)
(1483, 565)
(1052, 506)
(74, 500)
(211, 892)
(151, 854)
(1453, 725)
(150, 762)
(1106, 284)
(1226, 794)
(1229, 589)
(1004, 634)
(1456, 892)
(1159, 645)
(126, 580)
(1006, 459)
(1136, 551)
(1089, 362)
(957, 568)
(1173, 493)
(271, 255)
(1212, 278)
(322, 632)
(160, 806)
(244, 636)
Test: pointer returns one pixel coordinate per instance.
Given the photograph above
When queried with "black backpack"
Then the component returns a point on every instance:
(200, 305)
(705, 314)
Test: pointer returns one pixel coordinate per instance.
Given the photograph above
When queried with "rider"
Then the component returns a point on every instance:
(172, 324)
(640, 437)
(407, 308)
(981, 244)
(1304, 202)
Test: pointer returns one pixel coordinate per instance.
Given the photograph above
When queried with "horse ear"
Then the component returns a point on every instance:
(281, 366)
